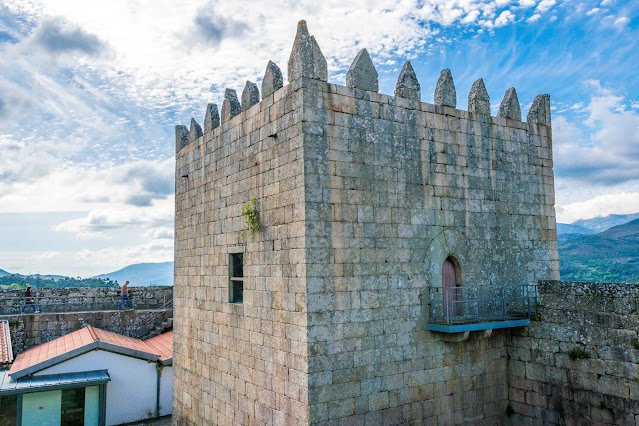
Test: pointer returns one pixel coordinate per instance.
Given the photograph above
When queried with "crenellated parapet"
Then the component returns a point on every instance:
(307, 61)
(316, 226)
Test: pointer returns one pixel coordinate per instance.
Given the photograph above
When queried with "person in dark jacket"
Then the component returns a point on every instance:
(29, 300)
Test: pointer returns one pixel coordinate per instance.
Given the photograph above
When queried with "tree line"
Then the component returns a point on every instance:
(17, 282)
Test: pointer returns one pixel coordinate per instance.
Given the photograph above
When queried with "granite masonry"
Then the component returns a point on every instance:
(361, 198)
(579, 362)
(64, 310)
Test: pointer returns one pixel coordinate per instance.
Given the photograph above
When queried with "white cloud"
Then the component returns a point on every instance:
(603, 205)
(87, 263)
(622, 21)
(504, 18)
(593, 11)
(527, 3)
(534, 18)
(545, 5)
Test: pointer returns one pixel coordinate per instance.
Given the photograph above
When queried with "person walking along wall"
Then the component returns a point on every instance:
(124, 292)
(29, 300)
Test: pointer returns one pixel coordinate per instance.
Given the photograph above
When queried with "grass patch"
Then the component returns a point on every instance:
(578, 353)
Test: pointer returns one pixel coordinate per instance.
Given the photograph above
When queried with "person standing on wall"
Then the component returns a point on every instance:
(29, 300)
(124, 292)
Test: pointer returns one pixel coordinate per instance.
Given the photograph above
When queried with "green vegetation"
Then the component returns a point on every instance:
(578, 353)
(252, 221)
(610, 256)
(636, 345)
(603, 405)
(16, 282)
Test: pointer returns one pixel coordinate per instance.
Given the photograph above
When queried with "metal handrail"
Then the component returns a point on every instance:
(482, 303)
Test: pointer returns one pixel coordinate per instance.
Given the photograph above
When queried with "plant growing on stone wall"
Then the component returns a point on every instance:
(636, 345)
(249, 211)
(578, 353)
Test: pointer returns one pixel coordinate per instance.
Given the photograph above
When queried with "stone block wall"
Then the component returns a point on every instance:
(392, 188)
(74, 299)
(362, 197)
(241, 363)
(31, 330)
(598, 386)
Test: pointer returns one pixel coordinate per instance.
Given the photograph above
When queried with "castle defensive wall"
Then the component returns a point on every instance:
(65, 310)
(348, 257)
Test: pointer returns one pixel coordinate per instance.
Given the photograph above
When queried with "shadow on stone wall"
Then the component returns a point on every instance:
(579, 362)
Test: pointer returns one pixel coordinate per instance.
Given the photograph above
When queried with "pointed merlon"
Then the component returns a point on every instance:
(250, 95)
(407, 84)
(231, 106)
(445, 93)
(362, 73)
(212, 118)
(272, 81)
(509, 107)
(181, 137)
(540, 110)
(478, 99)
(306, 58)
(195, 131)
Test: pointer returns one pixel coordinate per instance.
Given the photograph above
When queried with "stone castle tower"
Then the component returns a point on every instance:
(367, 205)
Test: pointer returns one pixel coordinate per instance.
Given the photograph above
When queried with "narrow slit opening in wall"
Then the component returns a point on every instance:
(237, 278)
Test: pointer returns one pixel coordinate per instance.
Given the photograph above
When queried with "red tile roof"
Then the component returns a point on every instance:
(161, 346)
(6, 355)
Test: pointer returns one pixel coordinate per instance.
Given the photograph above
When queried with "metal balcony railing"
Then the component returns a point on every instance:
(481, 307)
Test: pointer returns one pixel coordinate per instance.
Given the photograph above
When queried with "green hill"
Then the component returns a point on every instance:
(611, 255)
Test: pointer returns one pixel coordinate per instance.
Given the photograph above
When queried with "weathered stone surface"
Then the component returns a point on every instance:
(362, 73)
(195, 131)
(306, 58)
(231, 105)
(362, 198)
(212, 118)
(509, 107)
(478, 99)
(181, 137)
(540, 110)
(250, 95)
(64, 310)
(407, 85)
(545, 370)
(445, 93)
(272, 81)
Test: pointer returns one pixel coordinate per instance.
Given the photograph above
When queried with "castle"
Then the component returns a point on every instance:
(348, 257)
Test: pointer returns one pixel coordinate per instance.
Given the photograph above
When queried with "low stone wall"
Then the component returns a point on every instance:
(75, 299)
(31, 330)
(579, 363)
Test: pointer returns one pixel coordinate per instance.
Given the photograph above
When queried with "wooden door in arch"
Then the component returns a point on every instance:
(449, 284)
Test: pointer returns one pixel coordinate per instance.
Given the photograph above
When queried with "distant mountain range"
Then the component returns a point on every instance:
(143, 274)
(611, 255)
(569, 231)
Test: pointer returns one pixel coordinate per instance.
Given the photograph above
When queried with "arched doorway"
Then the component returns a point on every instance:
(449, 287)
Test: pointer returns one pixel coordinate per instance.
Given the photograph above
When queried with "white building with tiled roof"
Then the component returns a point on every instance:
(90, 377)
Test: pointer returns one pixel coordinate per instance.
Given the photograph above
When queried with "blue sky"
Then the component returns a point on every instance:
(90, 93)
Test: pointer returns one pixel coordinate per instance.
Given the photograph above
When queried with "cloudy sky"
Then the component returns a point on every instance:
(90, 93)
